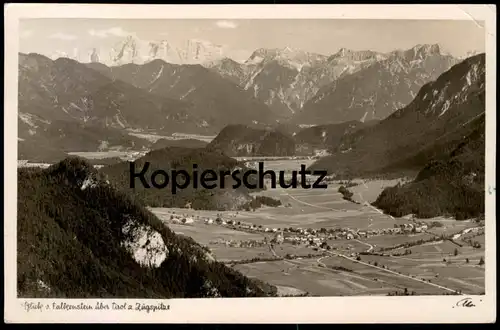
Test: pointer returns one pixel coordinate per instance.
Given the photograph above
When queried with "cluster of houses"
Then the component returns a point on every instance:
(239, 244)
(409, 228)
(306, 236)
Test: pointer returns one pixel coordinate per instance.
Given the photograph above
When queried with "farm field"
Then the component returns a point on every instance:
(308, 276)
(457, 274)
(385, 241)
(348, 246)
(309, 270)
(227, 254)
(449, 226)
(479, 238)
(206, 233)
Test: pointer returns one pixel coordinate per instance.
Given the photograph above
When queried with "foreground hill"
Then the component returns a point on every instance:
(66, 90)
(218, 101)
(453, 187)
(241, 140)
(80, 238)
(429, 128)
(176, 158)
(378, 90)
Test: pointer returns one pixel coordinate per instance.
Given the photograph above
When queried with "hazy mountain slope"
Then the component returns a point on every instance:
(67, 90)
(377, 90)
(79, 238)
(174, 158)
(41, 153)
(452, 187)
(240, 140)
(437, 120)
(218, 101)
(69, 136)
(328, 136)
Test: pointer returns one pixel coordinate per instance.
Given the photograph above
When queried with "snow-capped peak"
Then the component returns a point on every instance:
(134, 50)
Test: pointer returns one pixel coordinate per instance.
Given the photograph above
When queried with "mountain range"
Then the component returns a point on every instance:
(64, 105)
(286, 78)
(442, 114)
(274, 88)
(349, 85)
(290, 80)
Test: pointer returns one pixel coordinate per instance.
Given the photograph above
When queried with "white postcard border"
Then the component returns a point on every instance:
(371, 309)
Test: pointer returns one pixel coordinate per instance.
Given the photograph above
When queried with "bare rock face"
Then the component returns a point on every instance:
(144, 244)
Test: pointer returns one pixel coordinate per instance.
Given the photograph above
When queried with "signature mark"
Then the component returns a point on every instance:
(466, 302)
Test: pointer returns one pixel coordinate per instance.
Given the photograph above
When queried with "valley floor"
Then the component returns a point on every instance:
(333, 247)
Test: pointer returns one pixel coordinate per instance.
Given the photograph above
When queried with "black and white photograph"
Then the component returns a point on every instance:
(166, 159)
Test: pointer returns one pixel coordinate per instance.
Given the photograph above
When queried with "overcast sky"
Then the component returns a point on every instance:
(241, 37)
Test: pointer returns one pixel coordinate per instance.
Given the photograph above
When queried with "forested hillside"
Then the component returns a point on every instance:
(80, 238)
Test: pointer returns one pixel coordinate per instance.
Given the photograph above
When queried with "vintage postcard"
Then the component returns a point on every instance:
(250, 163)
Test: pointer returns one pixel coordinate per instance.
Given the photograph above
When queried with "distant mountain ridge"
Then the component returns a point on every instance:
(274, 88)
(286, 78)
(299, 84)
(378, 90)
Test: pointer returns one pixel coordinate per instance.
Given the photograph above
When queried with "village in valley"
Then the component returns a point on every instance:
(320, 242)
